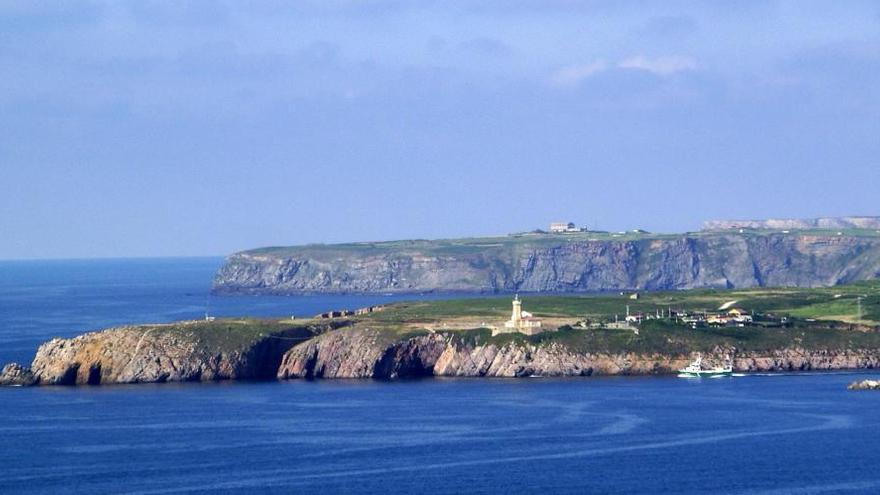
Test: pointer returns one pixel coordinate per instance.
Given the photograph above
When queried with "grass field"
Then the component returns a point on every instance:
(662, 338)
(235, 334)
(526, 241)
(835, 303)
(818, 320)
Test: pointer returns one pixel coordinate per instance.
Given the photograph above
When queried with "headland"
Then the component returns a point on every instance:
(567, 258)
(628, 333)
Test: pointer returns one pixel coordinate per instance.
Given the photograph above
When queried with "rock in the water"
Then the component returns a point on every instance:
(16, 375)
(865, 385)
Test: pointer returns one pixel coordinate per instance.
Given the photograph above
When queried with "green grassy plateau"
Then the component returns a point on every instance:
(526, 240)
(239, 334)
(834, 303)
(821, 318)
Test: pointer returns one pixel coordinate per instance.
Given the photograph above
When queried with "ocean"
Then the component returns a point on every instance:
(782, 433)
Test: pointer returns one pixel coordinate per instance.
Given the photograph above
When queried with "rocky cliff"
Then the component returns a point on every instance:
(155, 354)
(361, 354)
(16, 375)
(189, 351)
(558, 263)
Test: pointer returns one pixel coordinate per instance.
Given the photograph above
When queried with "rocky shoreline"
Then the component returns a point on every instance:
(356, 355)
(182, 352)
(156, 355)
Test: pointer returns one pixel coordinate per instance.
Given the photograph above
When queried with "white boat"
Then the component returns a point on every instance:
(695, 370)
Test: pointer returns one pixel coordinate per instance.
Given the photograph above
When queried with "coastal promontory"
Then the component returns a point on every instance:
(573, 335)
(803, 253)
(229, 349)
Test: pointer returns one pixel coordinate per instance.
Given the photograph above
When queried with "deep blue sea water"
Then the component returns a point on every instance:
(44, 299)
(796, 433)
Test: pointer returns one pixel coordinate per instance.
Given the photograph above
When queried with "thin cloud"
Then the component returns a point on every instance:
(572, 75)
(661, 66)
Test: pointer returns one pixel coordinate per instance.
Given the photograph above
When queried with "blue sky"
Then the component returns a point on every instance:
(199, 128)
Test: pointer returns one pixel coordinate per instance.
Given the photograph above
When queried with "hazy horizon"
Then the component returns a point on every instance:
(353, 241)
(140, 129)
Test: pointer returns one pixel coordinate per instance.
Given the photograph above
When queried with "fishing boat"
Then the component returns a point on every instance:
(695, 370)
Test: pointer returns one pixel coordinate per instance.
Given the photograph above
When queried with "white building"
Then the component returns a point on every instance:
(560, 227)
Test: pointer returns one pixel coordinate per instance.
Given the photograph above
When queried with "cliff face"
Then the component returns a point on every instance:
(16, 375)
(363, 354)
(358, 354)
(559, 264)
(156, 354)
(132, 355)
(140, 355)
(862, 222)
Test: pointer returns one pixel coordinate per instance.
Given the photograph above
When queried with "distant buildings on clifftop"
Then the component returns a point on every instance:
(571, 228)
(562, 227)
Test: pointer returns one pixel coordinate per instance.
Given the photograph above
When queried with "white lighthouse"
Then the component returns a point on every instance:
(520, 321)
(516, 317)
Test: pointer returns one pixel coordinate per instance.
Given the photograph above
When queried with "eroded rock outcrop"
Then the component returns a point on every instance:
(517, 360)
(16, 375)
(364, 354)
(555, 360)
(166, 353)
(798, 359)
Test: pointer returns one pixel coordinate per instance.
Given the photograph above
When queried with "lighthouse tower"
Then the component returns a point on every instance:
(520, 321)
(516, 317)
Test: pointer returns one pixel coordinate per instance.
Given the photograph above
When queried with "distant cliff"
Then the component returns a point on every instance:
(559, 263)
(796, 223)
